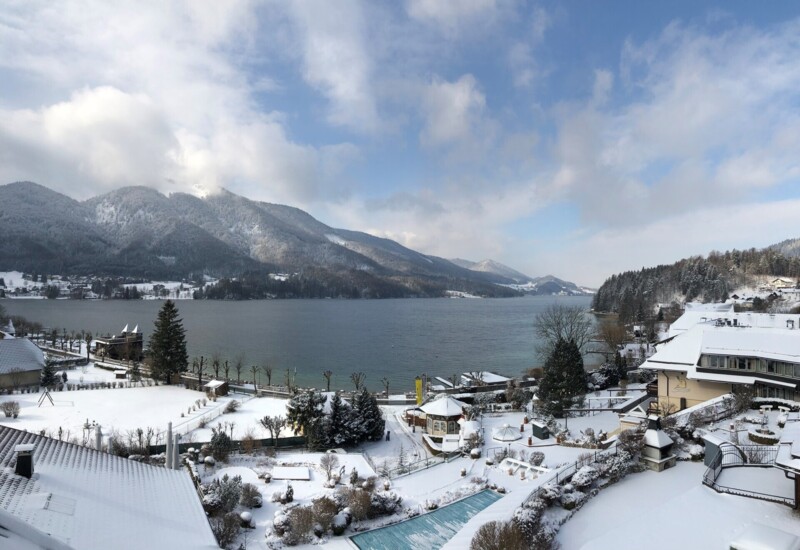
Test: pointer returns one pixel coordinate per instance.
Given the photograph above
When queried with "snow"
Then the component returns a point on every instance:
(291, 472)
(680, 512)
(761, 537)
(769, 481)
(444, 406)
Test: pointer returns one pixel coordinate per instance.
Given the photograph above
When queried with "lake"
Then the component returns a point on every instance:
(398, 339)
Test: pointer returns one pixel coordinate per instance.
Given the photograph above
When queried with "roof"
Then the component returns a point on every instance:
(657, 438)
(214, 384)
(506, 433)
(90, 499)
(757, 335)
(19, 353)
(762, 537)
(444, 406)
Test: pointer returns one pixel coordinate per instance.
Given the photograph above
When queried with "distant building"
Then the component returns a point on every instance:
(58, 495)
(710, 353)
(128, 346)
(21, 362)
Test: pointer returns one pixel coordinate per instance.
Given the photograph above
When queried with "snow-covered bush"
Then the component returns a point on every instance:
(431, 504)
(339, 524)
(280, 523)
(226, 528)
(550, 492)
(10, 408)
(250, 497)
(221, 444)
(584, 477)
(325, 510)
(301, 524)
(231, 406)
(618, 465)
(570, 499)
(359, 502)
(499, 535)
(385, 503)
(536, 458)
(222, 495)
(696, 452)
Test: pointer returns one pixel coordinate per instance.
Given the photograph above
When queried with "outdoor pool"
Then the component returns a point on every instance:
(428, 531)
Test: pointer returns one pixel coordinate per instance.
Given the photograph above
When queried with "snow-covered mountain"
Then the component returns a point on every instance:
(137, 231)
(491, 266)
(547, 285)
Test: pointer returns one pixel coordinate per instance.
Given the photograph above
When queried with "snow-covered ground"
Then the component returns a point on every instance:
(671, 509)
(247, 417)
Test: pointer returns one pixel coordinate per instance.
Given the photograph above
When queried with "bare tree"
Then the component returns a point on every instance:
(254, 370)
(327, 375)
(227, 370)
(385, 382)
(238, 365)
(454, 379)
(216, 359)
(613, 334)
(329, 462)
(266, 368)
(88, 339)
(358, 380)
(561, 322)
(273, 424)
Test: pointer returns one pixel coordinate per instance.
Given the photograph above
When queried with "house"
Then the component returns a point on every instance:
(442, 416)
(129, 345)
(711, 355)
(58, 495)
(21, 362)
(782, 282)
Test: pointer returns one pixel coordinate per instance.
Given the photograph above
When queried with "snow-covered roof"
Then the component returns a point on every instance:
(444, 406)
(124, 330)
(212, 384)
(657, 438)
(506, 433)
(89, 499)
(19, 353)
(135, 329)
(682, 353)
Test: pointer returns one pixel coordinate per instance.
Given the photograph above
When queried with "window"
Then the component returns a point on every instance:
(741, 363)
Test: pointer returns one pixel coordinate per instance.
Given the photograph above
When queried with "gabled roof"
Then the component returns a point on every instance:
(444, 406)
(89, 499)
(19, 353)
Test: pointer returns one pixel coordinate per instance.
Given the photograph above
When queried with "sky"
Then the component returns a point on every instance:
(577, 139)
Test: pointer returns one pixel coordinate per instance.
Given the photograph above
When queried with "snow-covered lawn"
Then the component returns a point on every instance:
(671, 509)
(247, 417)
(114, 409)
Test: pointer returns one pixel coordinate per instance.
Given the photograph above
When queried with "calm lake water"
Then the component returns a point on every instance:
(398, 339)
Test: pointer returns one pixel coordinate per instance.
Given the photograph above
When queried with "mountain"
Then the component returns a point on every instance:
(138, 232)
(547, 285)
(710, 279)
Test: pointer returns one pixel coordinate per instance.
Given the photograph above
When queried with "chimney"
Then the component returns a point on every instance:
(98, 438)
(24, 460)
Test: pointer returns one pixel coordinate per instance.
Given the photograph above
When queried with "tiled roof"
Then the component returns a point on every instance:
(90, 499)
(19, 353)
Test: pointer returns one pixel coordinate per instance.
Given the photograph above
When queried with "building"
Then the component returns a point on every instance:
(127, 346)
(57, 495)
(441, 416)
(709, 353)
(21, 362)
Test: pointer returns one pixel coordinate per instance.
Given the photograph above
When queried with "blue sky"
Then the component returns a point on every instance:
(578, 139)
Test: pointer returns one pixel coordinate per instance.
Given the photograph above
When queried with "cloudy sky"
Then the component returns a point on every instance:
(578, 138)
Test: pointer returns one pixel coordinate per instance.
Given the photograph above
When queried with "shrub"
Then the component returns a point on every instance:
(537, 457)
(250, 497)
(301, 522)
(359, 502)
(497, 535)
(222, 495)
(232, 406)
(584, 477)
(221, 445)
(384, 503)
(226, 528)
(325, 510)
(10, 408)
(339, 523)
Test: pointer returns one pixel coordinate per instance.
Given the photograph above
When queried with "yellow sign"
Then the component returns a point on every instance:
(418, 383)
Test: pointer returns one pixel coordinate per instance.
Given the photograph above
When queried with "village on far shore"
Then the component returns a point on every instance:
(699, 411)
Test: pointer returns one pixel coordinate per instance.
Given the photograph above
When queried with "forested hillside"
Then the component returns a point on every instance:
(634, 294)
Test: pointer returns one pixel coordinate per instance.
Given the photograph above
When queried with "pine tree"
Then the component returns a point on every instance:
(304, 412)
(368, 422)
(168, 344)
(49, 377)
(136, 372)
(564, 377)
(336, 426)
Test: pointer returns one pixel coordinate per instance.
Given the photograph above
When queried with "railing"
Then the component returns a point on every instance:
(752, 456)
(565, 472)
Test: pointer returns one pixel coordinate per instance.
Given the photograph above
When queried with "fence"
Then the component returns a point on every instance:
(565, 473)
(752, 456)
(241, 446)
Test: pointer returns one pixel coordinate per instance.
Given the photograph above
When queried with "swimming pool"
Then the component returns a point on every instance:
(428, 531)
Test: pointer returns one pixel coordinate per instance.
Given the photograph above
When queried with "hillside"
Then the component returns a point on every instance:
(634, 294)
(138, 232)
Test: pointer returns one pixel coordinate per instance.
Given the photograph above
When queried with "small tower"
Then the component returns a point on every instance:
(657, 452)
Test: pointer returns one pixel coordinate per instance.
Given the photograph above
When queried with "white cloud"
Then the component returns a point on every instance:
(450, 16)
(525, 68)
(453, 112)
(336, 60)
(155, 94)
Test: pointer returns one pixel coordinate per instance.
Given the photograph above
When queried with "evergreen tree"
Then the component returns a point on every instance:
(168, 344)
(304, 412)
(136, 372)
(368, 423)
(49, 376)
(336, 426)
(564, 378)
